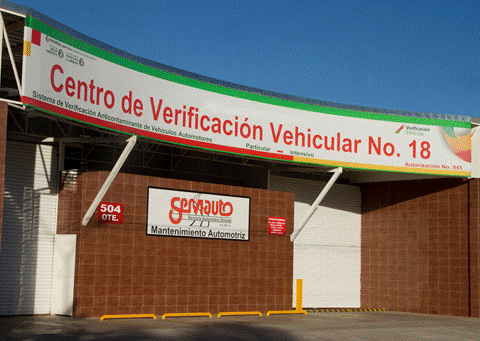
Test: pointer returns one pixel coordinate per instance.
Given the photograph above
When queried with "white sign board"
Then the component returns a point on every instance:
(176, 213)
(71, 78)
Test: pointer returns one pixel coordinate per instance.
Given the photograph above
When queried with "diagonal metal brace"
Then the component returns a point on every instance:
(106, 185)
(313, 208)
(10, 53)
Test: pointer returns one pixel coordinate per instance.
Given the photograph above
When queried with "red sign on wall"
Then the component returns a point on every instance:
(277, 225)
(110, 213)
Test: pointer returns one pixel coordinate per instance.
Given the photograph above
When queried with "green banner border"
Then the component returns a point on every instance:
(93, 50)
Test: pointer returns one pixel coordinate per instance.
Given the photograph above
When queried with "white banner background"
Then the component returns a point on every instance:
(60, 78)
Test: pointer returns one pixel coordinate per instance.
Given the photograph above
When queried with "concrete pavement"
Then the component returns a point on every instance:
(315, 326)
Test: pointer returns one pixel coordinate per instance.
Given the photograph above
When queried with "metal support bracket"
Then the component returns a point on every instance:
(126, 152)
(475, 148)
(2, 28)
(313, 208)
(10, 53)
(4, 36)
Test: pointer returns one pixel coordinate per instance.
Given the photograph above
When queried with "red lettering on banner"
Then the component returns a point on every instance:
(319, 144)
(85, 91)
(73, 87)
(300, 135)
(302, 139)
(204, 128)
(127, 105)
(288, 137)
(91, 86)
(52, 77)
(70, 85)
(276, 136)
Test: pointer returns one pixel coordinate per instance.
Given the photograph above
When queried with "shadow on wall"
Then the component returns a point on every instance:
(378, 195)
(28, 229)
(306, 192)
(19, 248)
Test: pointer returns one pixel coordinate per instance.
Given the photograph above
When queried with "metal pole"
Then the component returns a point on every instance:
(131, 142)
(475, 149)
(314, 206)
(2, 23)
(299, 298)
(12, 60)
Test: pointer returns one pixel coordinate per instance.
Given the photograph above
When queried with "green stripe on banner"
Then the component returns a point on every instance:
(93, 50)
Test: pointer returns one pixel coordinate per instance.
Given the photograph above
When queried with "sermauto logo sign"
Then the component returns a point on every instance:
(198, 215)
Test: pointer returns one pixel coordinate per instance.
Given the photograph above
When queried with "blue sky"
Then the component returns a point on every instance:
(421, 56)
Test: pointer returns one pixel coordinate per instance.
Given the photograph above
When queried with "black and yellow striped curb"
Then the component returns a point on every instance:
(340, 310)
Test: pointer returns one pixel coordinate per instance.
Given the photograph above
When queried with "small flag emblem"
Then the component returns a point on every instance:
(31, 37)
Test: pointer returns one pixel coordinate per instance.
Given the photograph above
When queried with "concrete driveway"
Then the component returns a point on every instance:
(315, 326)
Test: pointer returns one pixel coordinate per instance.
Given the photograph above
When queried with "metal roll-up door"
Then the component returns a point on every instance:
(28, 229)
(327, 251)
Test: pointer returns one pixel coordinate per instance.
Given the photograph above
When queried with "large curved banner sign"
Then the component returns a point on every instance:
(65, 76)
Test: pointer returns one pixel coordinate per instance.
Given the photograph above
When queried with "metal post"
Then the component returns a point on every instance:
(299, 298)
(61, 156)
(475, 150)
(131, 142)
(268, 179)
(12, 60)
(2, 24)
(314, 206)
